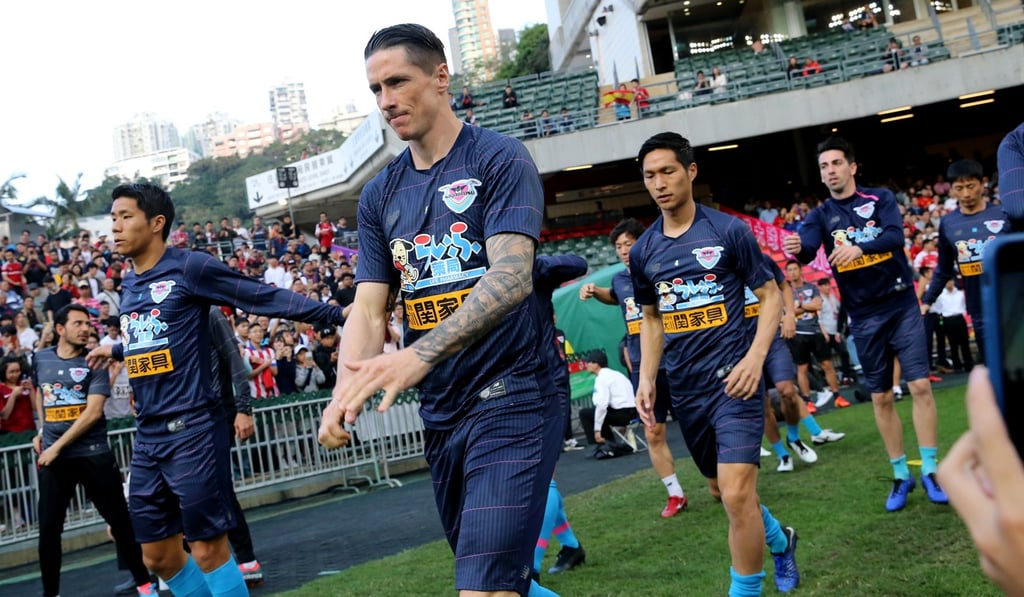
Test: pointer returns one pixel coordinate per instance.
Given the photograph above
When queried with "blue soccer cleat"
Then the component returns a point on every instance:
(933, 489)
(787, 577)
(898, 496)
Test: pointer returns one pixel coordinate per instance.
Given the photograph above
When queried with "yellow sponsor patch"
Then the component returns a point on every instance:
(633, 327)
(425, 313)
(752, 310)
(60, 414)
(970, 269)
(866, 261)
(149, 363)
(691, 320)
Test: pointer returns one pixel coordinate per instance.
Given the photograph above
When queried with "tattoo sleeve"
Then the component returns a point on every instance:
(508, 281)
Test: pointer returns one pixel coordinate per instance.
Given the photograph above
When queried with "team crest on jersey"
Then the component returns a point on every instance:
(994, 226)
(459, 195)
(160, 290)
(865, 211)
(78, 373)
(708, 257)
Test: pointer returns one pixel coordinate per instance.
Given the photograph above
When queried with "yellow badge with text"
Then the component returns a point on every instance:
(972, 268)
(633, 327)
(425, 313)
(691, 320)
(150, 363)
(752, 310)
(61, 414)
(866, 261)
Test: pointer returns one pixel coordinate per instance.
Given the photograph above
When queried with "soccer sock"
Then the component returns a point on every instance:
(189, 581)
(551, 510)
(792, 432)
(539, 591)
(811, 425)
(227, 581)
(899, 468)
(672, 485)
(780, 449)
(928, 456)
(565, 536)
(744, 585)
(774, 537)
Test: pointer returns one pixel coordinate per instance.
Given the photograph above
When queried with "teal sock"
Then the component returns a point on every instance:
(227, 581)
(811, 425)
(792, 432)
(774, 537)
(539, 591)
(899, 468)
(780, 449)
(928, 456)
(744, 586)
(189, 581)
(551, 510)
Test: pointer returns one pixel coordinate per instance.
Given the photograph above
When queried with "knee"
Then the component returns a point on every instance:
(210, 555)
(920, 388)
(883, 401)
(656, 435)
(163, 561)
(714, 490)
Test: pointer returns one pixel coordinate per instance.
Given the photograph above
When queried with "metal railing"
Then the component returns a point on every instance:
(283, 449)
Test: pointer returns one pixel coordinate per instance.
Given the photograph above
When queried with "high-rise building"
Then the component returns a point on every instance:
(477, 44)
(244, 139)
(167, 167)
(288, 108)
(453, 47)
(506, 45)
(144, 134)
(199, 137)
(345, 119)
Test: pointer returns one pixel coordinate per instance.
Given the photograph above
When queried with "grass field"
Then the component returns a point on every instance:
(849, 544)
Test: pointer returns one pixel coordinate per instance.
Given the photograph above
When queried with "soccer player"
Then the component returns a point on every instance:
(453, 222)
(623, 237)
(862, 232)
(780, 371)
(1011, 175)
(73, 450)
(963, 234)
(688, 270)
(809, 340)
(181, 470)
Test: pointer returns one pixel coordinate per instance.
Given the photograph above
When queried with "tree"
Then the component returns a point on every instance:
(532, 55)
(66, 205)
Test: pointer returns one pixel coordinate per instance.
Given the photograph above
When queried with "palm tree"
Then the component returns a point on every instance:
(66, 205)
(7, 190)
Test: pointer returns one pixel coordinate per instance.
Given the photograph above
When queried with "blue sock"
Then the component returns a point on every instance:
(774, 538)
(928, 456)
(539, 591)
(189, 581)
(227, 581)
(745, 586)
(792, 432)
(780, 449)
(551, 509)
(811, 425)
(899, 468)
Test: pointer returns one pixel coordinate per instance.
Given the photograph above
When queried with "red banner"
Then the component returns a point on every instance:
(771, 238)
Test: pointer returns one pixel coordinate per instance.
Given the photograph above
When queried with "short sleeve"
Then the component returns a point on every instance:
(375, 264)
(99, 383)
(750, 264)
(515, 195)
(643, 289)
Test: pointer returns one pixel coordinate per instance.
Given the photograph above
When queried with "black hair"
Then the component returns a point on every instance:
(152, 200)
(61, 318)
(422, 47)
(792, 261)
(675, 142)
(9, 329)
(965, 170)
(628, 226)
(825, 282)
(7, 360)
(839, 144)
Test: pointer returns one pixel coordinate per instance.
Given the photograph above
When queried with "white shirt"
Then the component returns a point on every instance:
(611, 390)
(829, 314)
(278, 276)
(950, 303)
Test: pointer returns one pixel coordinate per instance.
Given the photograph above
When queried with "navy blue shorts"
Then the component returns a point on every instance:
(491, 474)
(662, 397)
(779, 366)
(183, 486)
(894, 329)
(720, 429)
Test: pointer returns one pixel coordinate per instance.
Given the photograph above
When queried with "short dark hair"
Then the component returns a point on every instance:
(628, 226)
(152, 200)
(597, 356)
(965, 170)
(839, 144)
(423, 48)
(61, 318)
(824, 281)
(6, 362)
(674, 142)
(793, 262)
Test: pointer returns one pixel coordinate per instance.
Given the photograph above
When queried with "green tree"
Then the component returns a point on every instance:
(532, 54)
(67, 206)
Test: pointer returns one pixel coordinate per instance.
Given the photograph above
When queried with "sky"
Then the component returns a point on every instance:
(73, 70)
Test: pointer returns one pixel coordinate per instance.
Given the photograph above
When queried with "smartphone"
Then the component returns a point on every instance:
(1002, 297)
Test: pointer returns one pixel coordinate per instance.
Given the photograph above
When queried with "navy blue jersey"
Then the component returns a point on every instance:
(752, 304)
(64, 385)
(962, 240)
(870, 220)
(1011, 176)
(622, 292)
(549, 273)
(696, 280)
(165, 336)
(807, 322)
(425, 231)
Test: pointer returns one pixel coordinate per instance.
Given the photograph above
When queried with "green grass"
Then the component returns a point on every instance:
(848, 544)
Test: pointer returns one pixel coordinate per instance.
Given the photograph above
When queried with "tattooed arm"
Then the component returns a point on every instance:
(508, 281)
